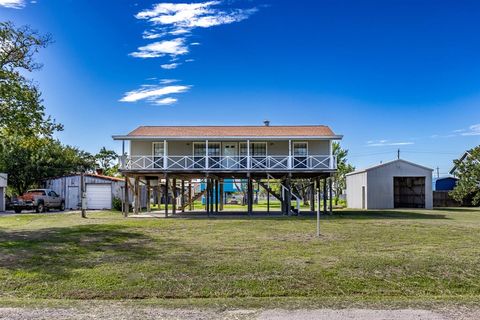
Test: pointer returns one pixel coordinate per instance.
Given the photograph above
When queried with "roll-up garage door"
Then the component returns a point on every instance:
(99, 196)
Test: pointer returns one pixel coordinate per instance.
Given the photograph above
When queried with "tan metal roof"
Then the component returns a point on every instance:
(232, 131)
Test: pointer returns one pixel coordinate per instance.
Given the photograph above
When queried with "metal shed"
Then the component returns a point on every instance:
(394, 184)
(3, 190)
(100, 190)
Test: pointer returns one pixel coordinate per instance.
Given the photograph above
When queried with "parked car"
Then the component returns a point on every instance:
(40, 200)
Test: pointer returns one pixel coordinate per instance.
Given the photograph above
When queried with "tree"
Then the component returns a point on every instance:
(21, 109)
(30, 160)
(468, 173)
(339, 178)
(105, 160)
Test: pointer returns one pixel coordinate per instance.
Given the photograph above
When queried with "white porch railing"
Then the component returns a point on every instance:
(229, 163)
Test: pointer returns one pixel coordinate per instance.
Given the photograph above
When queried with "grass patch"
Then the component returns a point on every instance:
(362, 257)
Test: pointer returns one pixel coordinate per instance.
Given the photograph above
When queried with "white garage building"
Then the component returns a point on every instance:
(3, 190)
(394, 184)
(100, 190)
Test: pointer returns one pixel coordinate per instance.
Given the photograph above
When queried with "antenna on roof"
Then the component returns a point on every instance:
(266, 123)
(398, 154)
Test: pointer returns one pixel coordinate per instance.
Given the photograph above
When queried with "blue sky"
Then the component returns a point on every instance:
(385, 74)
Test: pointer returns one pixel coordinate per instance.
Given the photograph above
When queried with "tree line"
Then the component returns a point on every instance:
(29, 153)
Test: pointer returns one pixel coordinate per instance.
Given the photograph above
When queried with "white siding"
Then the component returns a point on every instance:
(185, 148)
(354, 190)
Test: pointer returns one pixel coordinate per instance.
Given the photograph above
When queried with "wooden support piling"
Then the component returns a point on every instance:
(174, 196)
(183, 196)
(222, 194)
(330, 195)
(325, 195)
(149, 195)
(250, 195)
(136, 197)
(166, 196)
(216, 195)
(312, 195)
(126, 204)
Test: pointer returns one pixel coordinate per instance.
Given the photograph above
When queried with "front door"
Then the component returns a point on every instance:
(230, 159)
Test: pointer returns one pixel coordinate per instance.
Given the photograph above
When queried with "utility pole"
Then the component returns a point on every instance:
(438, 172)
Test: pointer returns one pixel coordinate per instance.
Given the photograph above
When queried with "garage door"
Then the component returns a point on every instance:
(409, 192)
(99, 196)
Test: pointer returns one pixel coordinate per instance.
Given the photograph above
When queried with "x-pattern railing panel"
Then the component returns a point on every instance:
(313, 162)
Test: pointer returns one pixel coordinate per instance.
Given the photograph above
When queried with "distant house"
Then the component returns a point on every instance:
(3, 190)
(445, 184)
(394, 184)
(462, 158)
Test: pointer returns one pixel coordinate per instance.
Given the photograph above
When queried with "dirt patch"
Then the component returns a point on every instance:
(146, 313)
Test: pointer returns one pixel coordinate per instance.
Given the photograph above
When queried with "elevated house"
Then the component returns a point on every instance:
(170, 157)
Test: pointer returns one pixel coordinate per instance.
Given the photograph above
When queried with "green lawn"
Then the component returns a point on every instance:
(369, 256)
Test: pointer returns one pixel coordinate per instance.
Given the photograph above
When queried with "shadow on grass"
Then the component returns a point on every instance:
(461, 209)
(55, 253)
(343, 214)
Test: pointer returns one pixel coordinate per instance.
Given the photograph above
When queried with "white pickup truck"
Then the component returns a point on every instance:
(39, 200)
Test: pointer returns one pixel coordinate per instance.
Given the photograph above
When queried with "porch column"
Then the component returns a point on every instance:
(174, 199)
(289, 156)
(206, 154)
(222, 194)
(248, 155)
(165, 155)
(126, 204)
(166, 196)
(183, 196)
(136, 197)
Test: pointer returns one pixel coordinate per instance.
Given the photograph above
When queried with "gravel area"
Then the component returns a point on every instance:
(146, 313)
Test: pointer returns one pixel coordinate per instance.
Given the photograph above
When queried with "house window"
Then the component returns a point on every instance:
(258, 152)
(300, 149)
(158, 153)
(300, 153)
(256, 149)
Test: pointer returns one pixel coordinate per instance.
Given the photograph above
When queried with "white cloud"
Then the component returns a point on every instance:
(473, 130)
(195, 43)
(386, 143)
(168, 81)
(153, 94)
(14, 4)
(170, 66)
(179, 19)
(166, 101)
(161, 48)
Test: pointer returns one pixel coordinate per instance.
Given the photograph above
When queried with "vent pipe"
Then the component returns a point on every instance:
(266, 123)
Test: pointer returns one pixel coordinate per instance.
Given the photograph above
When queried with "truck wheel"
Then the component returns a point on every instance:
(40, 208)
(62, 206)
(18, 210)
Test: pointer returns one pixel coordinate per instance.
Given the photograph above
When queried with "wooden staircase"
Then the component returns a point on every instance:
(265, 186)
(195, 197)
